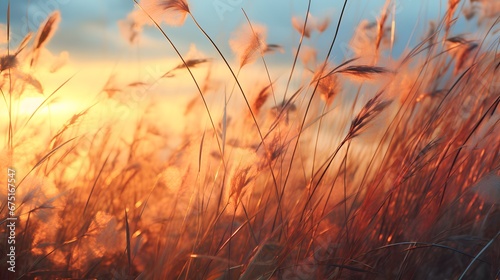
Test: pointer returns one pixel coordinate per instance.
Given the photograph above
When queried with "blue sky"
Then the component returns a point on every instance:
(89, 28)
(89, 32)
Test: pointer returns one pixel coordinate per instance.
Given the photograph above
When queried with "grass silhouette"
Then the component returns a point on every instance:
(373, 168)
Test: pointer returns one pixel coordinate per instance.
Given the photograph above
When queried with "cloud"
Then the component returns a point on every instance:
(172, 12)
(3, 33)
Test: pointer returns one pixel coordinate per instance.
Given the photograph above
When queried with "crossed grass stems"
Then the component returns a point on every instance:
(367, 216)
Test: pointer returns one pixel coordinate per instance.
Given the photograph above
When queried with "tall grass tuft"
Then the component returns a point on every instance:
(355, 165)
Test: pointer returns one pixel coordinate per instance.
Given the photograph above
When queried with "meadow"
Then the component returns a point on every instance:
(351, 165)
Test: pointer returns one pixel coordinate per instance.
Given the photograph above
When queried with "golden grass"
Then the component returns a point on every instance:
(391, 175)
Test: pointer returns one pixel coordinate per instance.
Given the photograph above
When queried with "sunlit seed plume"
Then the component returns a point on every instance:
(420, 159)
(371, 109)
(172, 12)
(130, 29)
(24, 43)
(312, 24)
(381, 23)
(47, 30)
(322, 25)
(364, 71)
(261, 99)
(137, 84)
(274, 47)
(461, 50)
(490, 9)
(192, 59)
(29, 80)
(452, 7)
(208, 86)
(45, 33)
(263, 262)
(276, 149)
(298, 24)
(283, 110)
(328, 88)
(363, 43)
(431, 35)
(308, 55)
(328, 84)
(469, 12)
(240, 179)
(176, 5)
(110, 87)
(247, 41)
(7, 62)
(190, 63)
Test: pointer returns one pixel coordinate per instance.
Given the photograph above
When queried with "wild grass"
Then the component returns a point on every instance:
(376, 167)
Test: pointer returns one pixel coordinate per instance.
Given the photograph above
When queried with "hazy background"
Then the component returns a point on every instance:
(93, 49)
(89, 29)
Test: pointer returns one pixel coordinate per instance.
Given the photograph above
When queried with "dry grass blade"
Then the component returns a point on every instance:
(247, 103)
(461, 50)
(381, 23)
(261, 99)
(452, 7)
(24, 43)
(110, 88)
(273, 47)
(46, 157)
(188, 69)
(95, 184)
(41, 258)
(46, 99)
(296, 53)
(47, 30)
(224, 126)
(200, 153)
(322, 25)
(137, 84)
(423, 245)
(239, 181)
(371, 109)
(364, 71)
(335, 70)
(328, 88)
(263, 264)
(172, 12)
(421, 159)
(29, 80)
(318, 199)
(189, 63)
(192, 63)
(176, 5)
(247, 42)
(127, 232)
(478, 255)
(44, 34)
(71, 122)
(459, 150)
(302, 27)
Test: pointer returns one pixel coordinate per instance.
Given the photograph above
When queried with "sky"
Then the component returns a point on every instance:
(90, 28)
(89, 37)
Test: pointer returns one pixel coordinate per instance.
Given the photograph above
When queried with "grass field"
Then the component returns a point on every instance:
(352, 165)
